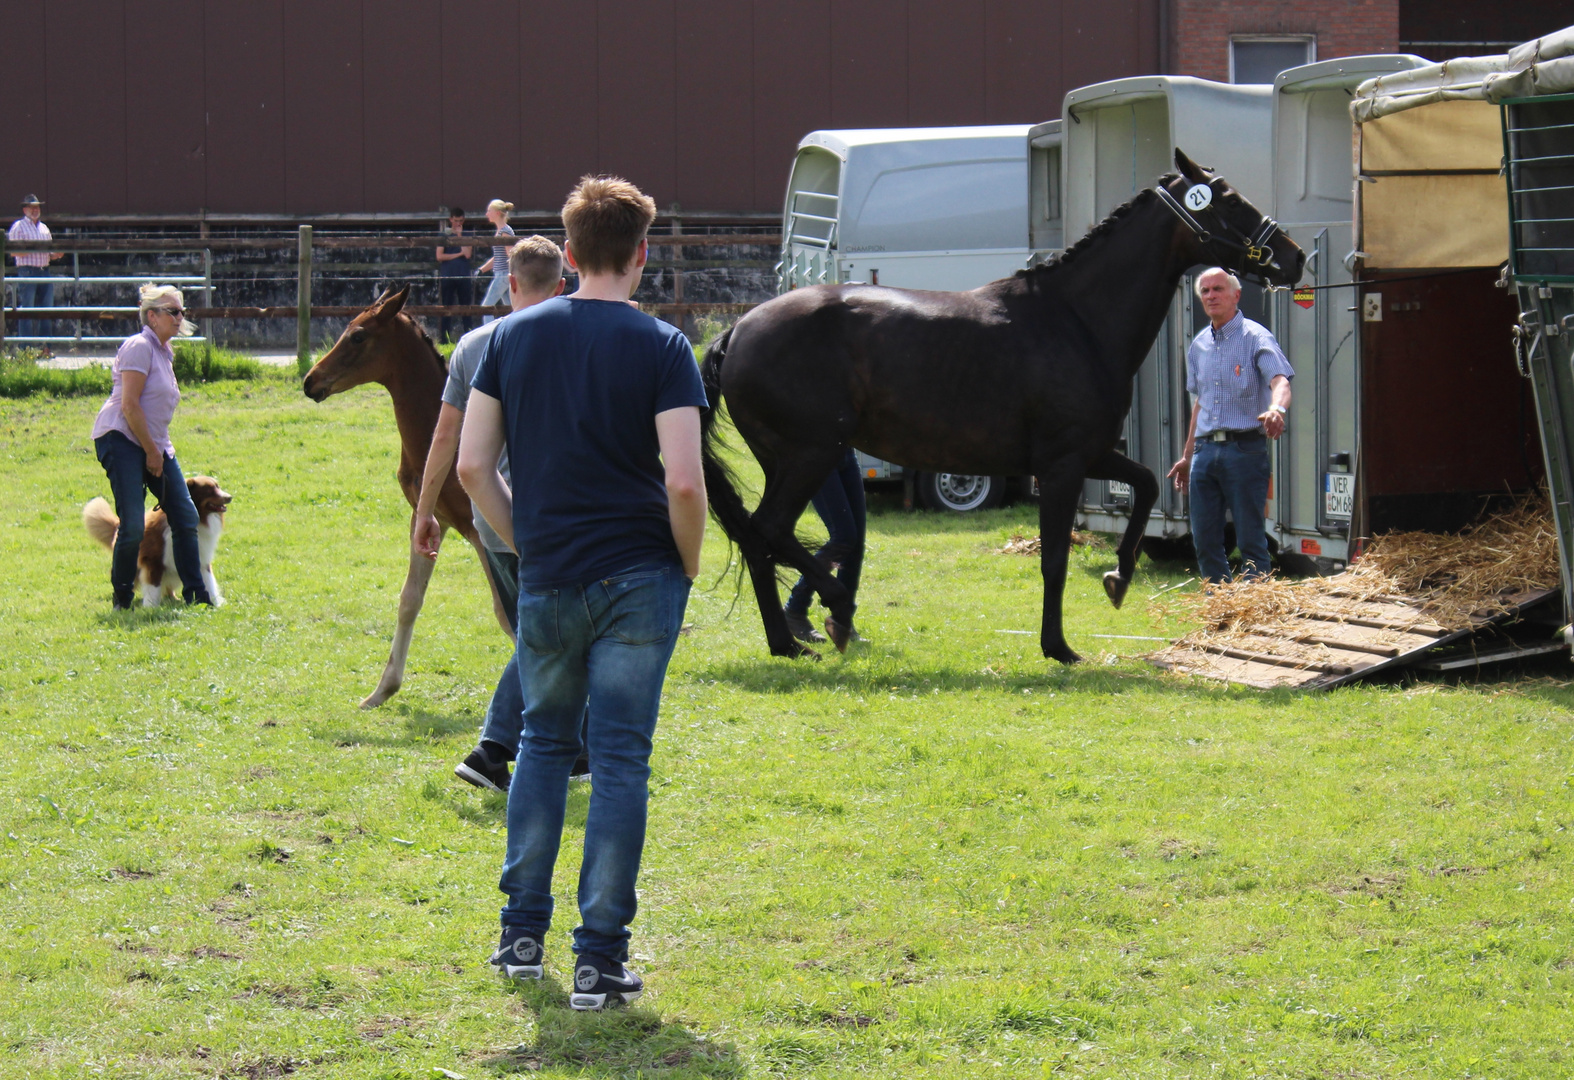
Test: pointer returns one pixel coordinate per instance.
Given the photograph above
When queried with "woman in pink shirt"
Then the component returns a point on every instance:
(131, 436)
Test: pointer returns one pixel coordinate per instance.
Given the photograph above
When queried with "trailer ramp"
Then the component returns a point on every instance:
(1343, 637)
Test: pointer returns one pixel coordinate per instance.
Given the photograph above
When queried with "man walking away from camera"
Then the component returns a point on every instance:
(598, 407)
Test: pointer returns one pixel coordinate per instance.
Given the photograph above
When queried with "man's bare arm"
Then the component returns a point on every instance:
(678, 431)
(481, 443)
(426, 536)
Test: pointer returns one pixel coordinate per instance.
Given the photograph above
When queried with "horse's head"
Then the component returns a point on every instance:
(1224, 229)
(364, 351)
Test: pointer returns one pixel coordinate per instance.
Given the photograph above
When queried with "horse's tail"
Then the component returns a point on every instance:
(721, 484)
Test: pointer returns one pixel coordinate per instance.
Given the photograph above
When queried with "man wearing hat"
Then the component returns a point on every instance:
(32, 264)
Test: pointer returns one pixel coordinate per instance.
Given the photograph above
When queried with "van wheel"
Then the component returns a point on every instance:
(960, 493)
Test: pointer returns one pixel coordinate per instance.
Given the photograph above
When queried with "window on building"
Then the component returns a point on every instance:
(1259, 59)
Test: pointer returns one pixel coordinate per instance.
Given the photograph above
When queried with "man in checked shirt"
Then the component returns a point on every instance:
(1239, 381)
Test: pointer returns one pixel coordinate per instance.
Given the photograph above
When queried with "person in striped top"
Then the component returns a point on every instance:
(497, 212)
(32, 264)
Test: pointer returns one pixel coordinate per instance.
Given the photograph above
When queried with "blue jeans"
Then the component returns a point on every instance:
(126, 465)
(505, 715)
(608, 644)
(1230, 476)
(34, 294)
(840, 504)
(496, 293)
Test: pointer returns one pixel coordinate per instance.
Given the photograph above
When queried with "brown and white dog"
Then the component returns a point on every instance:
(156, 572)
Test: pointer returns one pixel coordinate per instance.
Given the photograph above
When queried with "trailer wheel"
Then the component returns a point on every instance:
(960, 493)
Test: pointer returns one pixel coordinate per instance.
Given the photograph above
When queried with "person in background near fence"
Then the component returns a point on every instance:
(131, 437)
(598, 406)
(840, 504)
(1239, 381)
(497, 212)
(33, 264)
(456, 286)
(535, 266)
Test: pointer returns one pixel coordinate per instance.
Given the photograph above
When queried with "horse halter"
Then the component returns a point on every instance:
(1255, 246)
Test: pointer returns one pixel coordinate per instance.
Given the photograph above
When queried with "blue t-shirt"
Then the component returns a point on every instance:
(581, 382)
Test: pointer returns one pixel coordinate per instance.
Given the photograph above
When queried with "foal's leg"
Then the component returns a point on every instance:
(1144, 493)
(1059, 486)
(410, 599)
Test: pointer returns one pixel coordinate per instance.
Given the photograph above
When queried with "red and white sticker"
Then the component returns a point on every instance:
(1305, 296)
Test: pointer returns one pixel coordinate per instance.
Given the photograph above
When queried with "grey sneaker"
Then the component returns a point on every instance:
(599, 982)
(518, 955)
(802, 628)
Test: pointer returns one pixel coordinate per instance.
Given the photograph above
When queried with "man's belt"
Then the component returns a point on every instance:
(1233, 436)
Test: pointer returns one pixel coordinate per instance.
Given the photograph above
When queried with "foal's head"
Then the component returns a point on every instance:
(377, 343)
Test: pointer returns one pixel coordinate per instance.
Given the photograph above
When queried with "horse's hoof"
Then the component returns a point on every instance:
(1064, 653)
(377, 697)
(805, 653)
(1115, 587)
(840, 635)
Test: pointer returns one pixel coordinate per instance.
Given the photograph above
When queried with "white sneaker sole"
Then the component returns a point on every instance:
(597, 1002)
(518, 971)
(470, 776)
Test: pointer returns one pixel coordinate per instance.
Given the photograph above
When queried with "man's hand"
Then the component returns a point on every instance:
(426, 536)
(1272, 423)
(155, 462)
(1180, 473)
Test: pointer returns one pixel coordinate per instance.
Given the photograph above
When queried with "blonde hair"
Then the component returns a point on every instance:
(504, 208)
(1196, 286)
(606, 217)
(536, 263)
(150, 296)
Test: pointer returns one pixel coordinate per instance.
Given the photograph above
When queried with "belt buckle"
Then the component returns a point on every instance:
(1219, 436)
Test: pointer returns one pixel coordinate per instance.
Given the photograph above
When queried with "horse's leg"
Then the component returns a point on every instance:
(410, 600)
(499, 611)
(787, 494)
(1144, 493)
(1059, 486)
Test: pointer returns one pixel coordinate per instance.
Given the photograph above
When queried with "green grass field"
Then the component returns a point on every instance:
(939, 856)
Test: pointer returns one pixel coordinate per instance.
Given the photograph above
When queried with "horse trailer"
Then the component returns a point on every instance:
(923, 208)
(1314, 477)
(1118, 138)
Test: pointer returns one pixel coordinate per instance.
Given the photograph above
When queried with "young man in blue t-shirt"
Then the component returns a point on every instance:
(597, 406)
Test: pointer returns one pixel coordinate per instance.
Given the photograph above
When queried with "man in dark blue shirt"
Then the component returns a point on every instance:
(597, 406)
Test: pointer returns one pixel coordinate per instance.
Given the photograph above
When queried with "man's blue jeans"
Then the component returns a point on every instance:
(126, 465)
(1230, 476)
(34, 294)
(607, 643)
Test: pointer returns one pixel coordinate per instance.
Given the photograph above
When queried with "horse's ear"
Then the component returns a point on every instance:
(389, 303)
(1189, 168)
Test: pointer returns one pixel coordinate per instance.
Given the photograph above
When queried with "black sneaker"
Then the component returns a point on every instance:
(483, 770)
(518, 955)
(599, 982)
(803, 629)
(581, 769)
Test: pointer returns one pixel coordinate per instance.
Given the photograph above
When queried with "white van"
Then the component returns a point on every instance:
(923, 208)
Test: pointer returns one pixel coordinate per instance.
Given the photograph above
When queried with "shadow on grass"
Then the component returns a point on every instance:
(891, 673)
(139, 616)
(617, 1042)
(420, 726)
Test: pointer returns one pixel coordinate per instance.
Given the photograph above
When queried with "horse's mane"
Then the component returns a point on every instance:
(442, 362)
(1098, 231)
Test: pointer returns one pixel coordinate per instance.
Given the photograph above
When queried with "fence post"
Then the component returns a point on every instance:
(303, 304)
(2, 290)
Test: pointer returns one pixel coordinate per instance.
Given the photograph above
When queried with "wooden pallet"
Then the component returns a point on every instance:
(1318, 651)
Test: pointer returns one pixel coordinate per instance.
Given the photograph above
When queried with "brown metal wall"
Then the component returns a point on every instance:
(321, 106)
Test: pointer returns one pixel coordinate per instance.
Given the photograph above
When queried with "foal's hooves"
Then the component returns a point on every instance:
(805, 653)
(1115, 587)
(840, 635)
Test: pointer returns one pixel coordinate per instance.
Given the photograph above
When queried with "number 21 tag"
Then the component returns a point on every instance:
(1198, 197)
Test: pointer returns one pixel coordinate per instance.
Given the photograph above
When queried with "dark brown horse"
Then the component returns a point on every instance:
(383, 345)
(1028, 375)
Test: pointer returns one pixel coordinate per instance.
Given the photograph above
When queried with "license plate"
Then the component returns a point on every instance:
(1339, 494)
(1119, 491)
